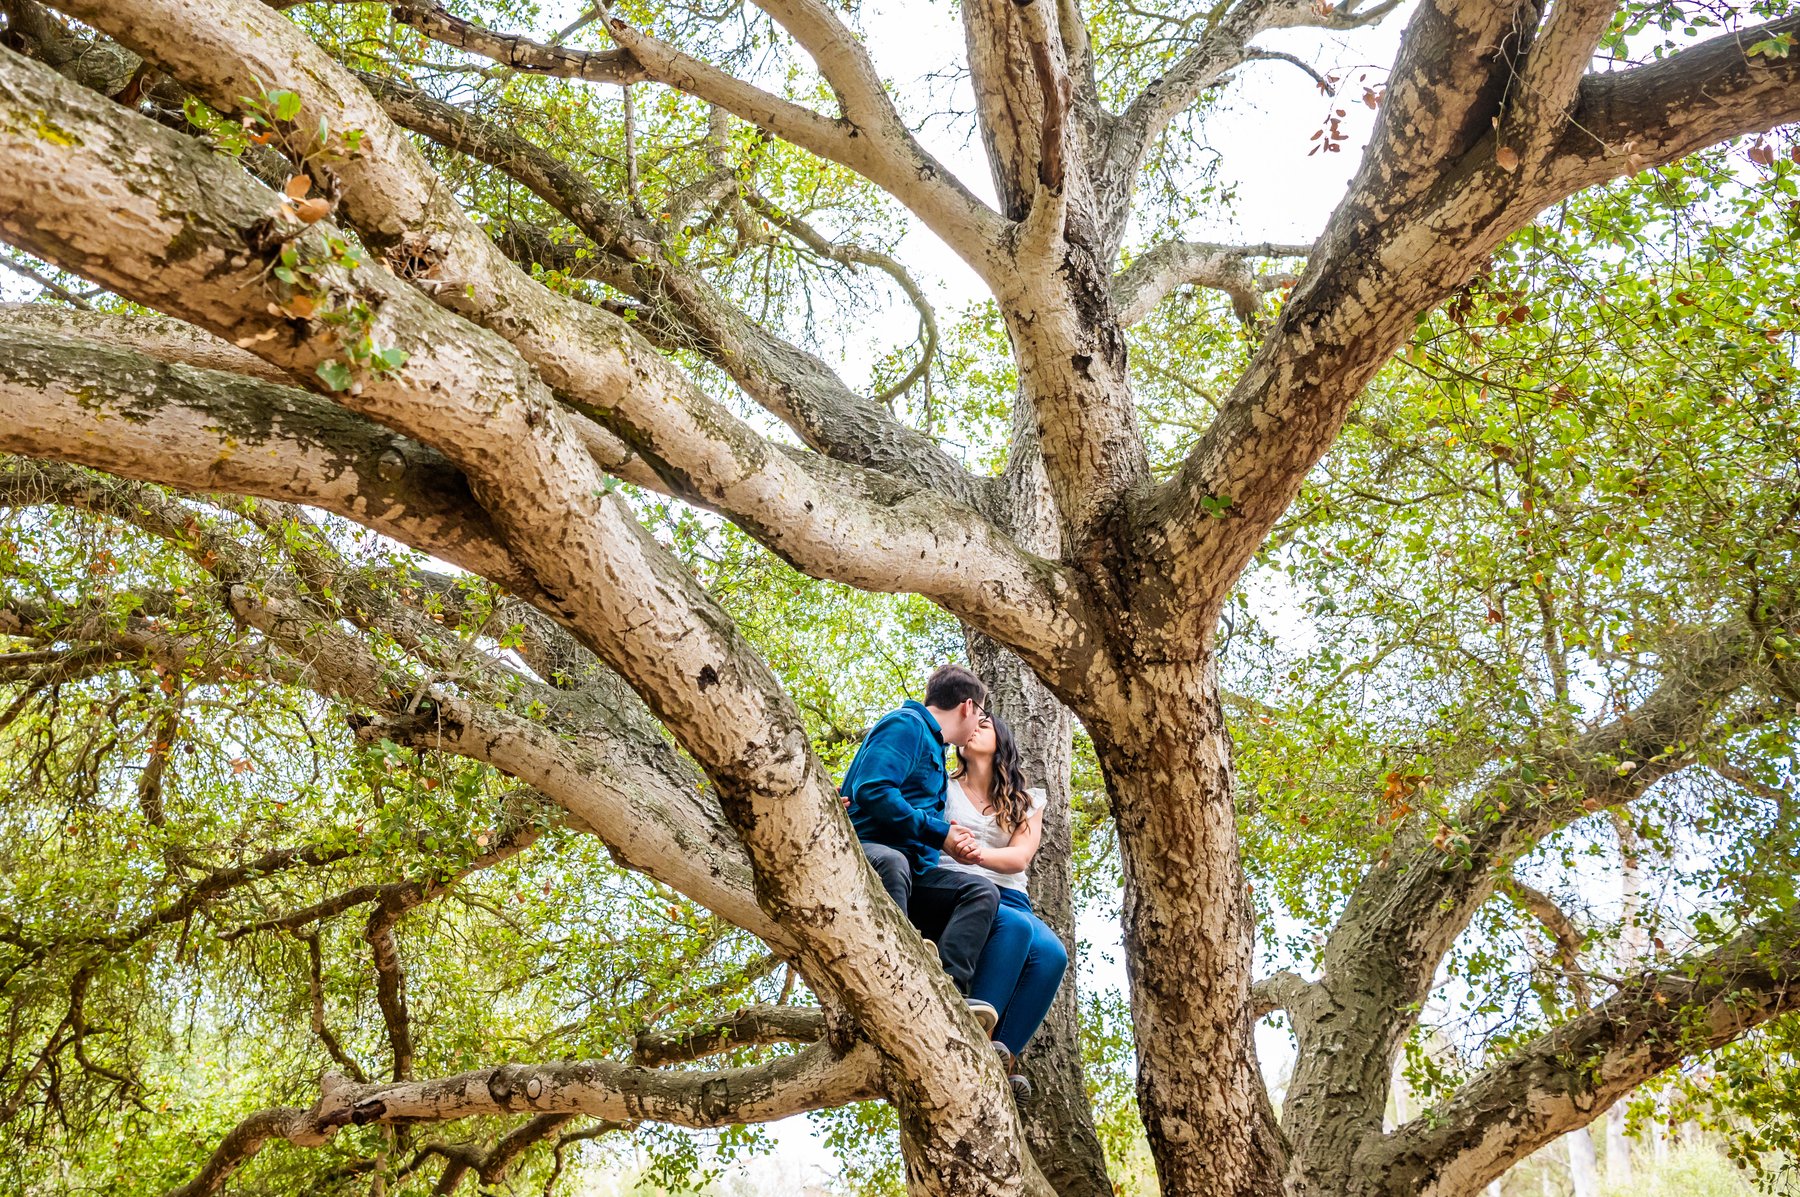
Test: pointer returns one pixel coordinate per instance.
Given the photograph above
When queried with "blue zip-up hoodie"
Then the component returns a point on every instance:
(897, 783)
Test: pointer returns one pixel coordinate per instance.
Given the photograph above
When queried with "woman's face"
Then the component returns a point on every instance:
(981, 744)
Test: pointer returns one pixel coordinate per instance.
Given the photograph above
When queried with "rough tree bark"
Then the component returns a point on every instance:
(494, 441)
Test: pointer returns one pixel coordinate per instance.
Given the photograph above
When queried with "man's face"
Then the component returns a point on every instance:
(961, 726)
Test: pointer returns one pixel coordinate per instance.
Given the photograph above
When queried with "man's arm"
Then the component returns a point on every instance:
(888, 756)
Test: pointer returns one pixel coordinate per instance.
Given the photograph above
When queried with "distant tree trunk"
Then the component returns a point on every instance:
(1058, 1121)
(1633, 940)
(1584, 1171)
(1618, 1148)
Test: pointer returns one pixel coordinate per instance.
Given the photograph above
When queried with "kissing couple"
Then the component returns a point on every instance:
(952, 848)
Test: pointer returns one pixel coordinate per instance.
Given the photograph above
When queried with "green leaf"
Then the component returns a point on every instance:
(335, 375)
(1773, 47)
(284, 104)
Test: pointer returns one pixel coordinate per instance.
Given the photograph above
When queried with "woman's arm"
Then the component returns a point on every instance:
(1016, 856)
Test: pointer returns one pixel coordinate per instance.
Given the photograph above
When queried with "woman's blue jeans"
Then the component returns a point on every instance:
(1019, 970)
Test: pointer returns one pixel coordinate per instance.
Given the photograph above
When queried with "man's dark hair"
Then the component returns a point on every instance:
(951, 686)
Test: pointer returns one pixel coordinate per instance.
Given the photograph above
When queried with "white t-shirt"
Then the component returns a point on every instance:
(958, 809)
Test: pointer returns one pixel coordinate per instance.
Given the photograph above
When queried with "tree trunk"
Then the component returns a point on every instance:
(1189, 931)
(1618, 1148)
(1584, 1171)
(1634, 946)
(1059, 1120)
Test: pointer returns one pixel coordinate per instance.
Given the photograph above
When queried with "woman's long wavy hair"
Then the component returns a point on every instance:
(1008, 797)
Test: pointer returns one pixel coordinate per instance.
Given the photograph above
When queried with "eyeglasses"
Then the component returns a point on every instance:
(981, 714)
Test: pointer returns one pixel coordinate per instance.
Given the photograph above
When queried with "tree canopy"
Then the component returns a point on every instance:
(475, 471)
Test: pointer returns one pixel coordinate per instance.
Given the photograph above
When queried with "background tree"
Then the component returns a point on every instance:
(512, 395)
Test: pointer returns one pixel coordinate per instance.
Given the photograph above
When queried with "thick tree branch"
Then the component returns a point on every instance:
(842, 60)
(1433, 196)
(1574, 1074)
(814, 1079)
(1074, 399)
(205, 430)
(1021, 101)
(623, 788)
(1626, 121)
(869, 138)
(1381, 957)
(1540, 99)
(588, 357)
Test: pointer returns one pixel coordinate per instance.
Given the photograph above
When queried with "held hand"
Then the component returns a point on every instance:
(963, 844)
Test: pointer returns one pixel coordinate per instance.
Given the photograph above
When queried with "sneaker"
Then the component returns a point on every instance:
(986, 1015)
(1021, 1088)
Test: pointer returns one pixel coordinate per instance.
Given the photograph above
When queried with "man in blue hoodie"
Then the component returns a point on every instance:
(895, 794)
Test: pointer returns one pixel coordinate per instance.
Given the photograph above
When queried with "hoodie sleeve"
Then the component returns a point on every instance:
(888, 757)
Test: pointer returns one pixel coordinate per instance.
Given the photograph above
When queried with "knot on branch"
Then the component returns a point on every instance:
(511, 1082)
(335, 1108)
(424, 727)
(416, 255)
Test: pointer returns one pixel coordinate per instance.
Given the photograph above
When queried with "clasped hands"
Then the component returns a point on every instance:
(965, 845)
(961, 843)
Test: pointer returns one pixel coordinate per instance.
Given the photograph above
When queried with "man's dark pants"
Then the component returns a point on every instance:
(952, 907)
